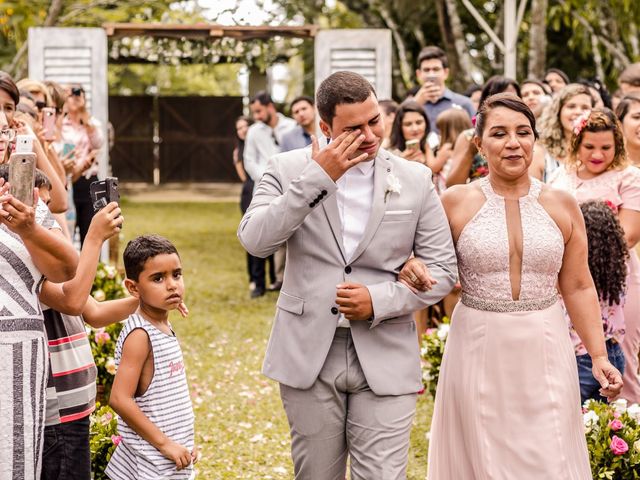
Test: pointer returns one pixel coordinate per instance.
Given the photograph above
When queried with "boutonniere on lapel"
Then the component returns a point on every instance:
(393, 186)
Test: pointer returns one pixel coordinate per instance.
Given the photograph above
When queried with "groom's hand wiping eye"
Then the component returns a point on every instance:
(335, 158)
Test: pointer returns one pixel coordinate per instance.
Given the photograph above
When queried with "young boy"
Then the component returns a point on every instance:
(150, 391)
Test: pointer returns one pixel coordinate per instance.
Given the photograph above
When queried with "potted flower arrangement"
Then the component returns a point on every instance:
(432, 350)
(613, 438)
(103, 440)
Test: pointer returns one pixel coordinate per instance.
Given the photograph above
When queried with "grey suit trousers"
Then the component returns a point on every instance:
(340, 417)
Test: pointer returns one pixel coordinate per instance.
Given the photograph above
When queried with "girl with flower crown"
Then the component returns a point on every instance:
(597, 168)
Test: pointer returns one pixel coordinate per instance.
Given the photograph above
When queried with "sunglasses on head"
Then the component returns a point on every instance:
(77, 91)
(40, 105)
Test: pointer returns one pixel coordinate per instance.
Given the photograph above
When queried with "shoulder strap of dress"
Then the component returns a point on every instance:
(485, 186)
(535, 189)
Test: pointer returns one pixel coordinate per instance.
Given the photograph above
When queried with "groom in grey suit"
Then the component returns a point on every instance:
(343, 344)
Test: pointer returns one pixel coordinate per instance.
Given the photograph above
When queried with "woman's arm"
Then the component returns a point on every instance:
(239, 168)
(461, 160)
(54, 257)
(581, 298)
(100, 314)
(71, 297)
(630, 223)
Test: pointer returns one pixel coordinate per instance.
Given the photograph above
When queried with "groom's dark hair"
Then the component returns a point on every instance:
(338, 88)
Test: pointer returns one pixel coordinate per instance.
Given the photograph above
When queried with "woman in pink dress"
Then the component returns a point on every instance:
(508, 402)
(597, 169)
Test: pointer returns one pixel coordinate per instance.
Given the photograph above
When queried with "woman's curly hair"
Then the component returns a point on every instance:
(600, 120)
(608, 251)
(550, 128)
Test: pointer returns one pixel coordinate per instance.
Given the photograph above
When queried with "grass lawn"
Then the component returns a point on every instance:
(240, 424)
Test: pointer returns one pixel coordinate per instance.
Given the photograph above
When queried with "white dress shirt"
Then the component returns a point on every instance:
(354, 196)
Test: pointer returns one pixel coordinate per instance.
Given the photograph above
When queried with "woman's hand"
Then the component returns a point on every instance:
(106, 223)
(444, 153)
(18, 217)
(416, 276)
(414, 154)
(608, 377)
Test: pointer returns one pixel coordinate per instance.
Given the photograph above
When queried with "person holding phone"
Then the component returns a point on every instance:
(31, 247)
(432, 73)
(84, 132)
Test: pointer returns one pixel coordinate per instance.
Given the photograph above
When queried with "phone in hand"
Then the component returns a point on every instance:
(413, 144)
(22, 172)
(104, 192)
(24, 144)
(49, 123)
(67, 148)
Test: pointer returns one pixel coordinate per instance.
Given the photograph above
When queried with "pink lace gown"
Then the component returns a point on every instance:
(622, 188)
(508, 401)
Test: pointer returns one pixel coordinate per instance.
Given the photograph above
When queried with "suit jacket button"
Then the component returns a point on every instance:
(312, 204)
(324, 192)
(347, 269)
(334, 310)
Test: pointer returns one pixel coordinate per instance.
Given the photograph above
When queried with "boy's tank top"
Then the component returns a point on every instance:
(166, 403)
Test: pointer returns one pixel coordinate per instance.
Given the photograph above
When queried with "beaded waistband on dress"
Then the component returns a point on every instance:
(507, 306)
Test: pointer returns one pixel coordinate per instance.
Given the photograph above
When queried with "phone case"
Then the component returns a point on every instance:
(104, 192)
(24, 144)
(22, 171)
(49, 123)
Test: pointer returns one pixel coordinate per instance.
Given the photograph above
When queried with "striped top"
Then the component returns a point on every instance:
(20, 279)
(71, 388)
(166, 403)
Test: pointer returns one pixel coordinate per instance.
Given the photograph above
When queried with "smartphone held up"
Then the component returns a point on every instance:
(22, 171)
(104, 192)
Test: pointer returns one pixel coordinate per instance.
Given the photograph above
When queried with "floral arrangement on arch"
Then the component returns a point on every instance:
(108, 285)
(103, 439)
(432, 350)
(613, 438)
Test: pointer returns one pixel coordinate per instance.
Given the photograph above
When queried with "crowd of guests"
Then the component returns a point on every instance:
(589, 146)
(49, 378)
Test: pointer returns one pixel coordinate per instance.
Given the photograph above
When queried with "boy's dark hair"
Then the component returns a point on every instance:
(339, 88)
(608, 251)
(263, 97)
(302, 98)
(41, 180)
(625, 104)
(141, 249)
(432, 52)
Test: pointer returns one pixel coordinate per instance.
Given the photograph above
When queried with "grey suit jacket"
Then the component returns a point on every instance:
(295, 203)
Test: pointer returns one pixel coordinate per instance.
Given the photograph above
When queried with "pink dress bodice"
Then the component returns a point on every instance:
(483, 249)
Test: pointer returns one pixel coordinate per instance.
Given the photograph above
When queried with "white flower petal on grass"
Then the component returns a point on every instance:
(257, 438)
(280, 470)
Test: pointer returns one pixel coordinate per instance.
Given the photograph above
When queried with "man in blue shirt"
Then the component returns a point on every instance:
(303, 112)
(432, 72)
